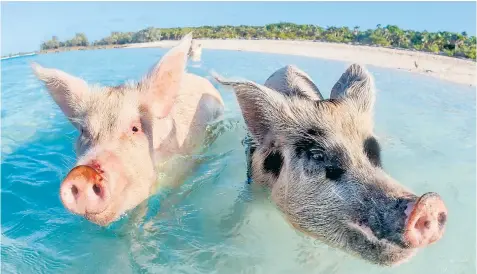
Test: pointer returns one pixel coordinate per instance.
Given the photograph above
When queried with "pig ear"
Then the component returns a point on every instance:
(358, 84)
(261, 107)
(163, 82)
(66, 90)
(292, 81)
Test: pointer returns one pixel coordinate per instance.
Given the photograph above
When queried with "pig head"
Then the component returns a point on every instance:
(321, 161)
(128, 130)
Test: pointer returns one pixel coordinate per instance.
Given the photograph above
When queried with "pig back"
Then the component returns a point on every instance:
(197, 104)
(184, 131)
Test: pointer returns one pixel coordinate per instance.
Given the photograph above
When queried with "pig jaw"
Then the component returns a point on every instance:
(386, 230)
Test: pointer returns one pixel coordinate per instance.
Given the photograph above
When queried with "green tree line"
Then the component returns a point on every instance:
(448, 43)
(80, 40)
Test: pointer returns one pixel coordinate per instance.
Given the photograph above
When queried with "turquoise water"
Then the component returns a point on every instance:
(215, 223)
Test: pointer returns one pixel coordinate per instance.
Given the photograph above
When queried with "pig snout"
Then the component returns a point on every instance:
(426, 220)
(84, 191)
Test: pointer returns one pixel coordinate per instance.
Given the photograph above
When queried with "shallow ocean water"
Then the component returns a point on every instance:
(215, 223)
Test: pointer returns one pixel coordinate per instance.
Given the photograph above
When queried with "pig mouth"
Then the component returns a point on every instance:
(103, 218)
(368, 233)
(380, 251)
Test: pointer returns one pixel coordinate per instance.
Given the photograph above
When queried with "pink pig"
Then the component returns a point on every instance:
(130, 133)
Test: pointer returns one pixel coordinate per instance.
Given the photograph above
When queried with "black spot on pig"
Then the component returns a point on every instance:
(273, 163)
(373, 151)
(334, 172)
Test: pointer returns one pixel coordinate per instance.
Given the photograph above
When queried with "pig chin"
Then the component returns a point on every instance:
(362, 242)
(102, 219)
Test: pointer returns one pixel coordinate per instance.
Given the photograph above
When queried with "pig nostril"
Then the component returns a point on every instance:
(442, 218)
(422, 223)
(97, 189)
(74, 190)
(427, 224)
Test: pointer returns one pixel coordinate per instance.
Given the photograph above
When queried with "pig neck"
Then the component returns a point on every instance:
(172, 164)
(164, 140)
(171, 169)
(180, 135)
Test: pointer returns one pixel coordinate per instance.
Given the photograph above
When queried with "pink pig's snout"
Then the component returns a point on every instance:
(84, 191)
(427, 220)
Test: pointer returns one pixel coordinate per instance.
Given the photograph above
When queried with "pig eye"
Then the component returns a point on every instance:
(135, 129)
(317, 154)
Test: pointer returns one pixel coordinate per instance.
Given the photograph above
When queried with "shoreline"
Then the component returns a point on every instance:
(452, 69)
(18, 56)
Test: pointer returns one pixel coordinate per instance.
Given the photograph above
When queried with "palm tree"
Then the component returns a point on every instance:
(425, 39)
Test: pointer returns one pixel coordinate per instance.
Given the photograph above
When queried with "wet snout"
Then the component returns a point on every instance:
(426, 220)
(84, 191)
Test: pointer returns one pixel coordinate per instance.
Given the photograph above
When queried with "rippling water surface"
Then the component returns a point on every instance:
(215, 223)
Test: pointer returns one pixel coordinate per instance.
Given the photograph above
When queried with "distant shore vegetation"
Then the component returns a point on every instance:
(442, 42)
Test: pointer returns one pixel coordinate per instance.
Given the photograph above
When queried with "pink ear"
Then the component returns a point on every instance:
(66, 90)
(164, 81)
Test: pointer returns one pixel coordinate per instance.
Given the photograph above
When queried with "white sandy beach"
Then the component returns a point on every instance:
(443, 67)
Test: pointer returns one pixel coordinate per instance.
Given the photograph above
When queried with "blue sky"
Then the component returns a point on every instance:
(26, 24)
